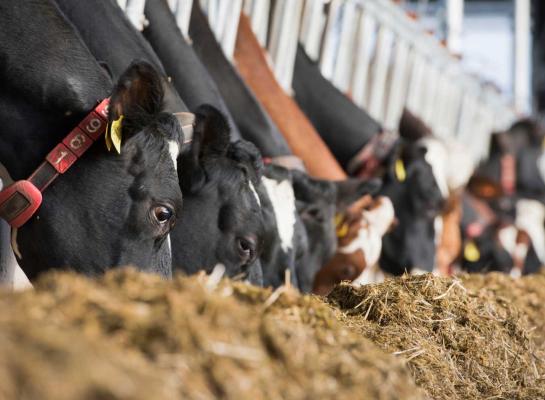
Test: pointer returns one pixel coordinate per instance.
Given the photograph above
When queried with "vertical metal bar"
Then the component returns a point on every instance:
(283, 41)
(342, 70)
(398, 86)
(312, 26)
(364, 49)
(379, 73)
(331, 39)
(135, 13)
(183, 14)
(260, 20)
(522, 56)
(230, 12)
(455, 21)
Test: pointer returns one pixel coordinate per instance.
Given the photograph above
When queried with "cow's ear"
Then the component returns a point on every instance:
(210, 139)
(212, 129)
(138, 94)
(247, 154)
(350, 190)
(309, 190)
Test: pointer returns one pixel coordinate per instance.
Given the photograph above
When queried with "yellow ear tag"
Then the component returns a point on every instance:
(338, 219)
(342, 231)
(401, 174)
(471, 252)
(114, 135)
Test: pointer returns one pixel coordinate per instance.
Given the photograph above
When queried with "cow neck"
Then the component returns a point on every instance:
(20, 200)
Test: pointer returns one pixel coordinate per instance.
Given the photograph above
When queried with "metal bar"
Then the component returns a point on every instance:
(342, 69)
(379, 73)
(283, 40)
(312, 27)
(258, 11)
(522, 56)
(398, 86)
(135, 13)
(182, 13)
(364, 49)
(455, 21)
(230, 13)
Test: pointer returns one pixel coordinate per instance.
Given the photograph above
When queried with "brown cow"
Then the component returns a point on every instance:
(359, 232)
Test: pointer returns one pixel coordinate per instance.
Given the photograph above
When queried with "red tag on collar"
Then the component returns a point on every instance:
(19, 201)
(94, 125)
(78, 142)
(61, 158)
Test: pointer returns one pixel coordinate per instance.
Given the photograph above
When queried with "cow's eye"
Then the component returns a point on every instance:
(163, 214)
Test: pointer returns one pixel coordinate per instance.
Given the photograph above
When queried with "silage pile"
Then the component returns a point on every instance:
(526, 293)
(459, 343)
(135, 336)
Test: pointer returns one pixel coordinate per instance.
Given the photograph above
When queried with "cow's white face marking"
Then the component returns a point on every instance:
(169, 246)
(437, 156)
(531, 217)
(283, 202)
(541, 166)
(369, 239)
(252, 189)
(174, 150)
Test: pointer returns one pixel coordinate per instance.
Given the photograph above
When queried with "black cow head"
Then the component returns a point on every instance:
(222, 221)
(417, 199)
(317, 202)
(114, 209)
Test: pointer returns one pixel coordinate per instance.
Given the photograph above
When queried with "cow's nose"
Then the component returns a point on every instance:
(247, 249)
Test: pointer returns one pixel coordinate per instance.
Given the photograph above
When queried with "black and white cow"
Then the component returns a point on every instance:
(222, 220)
(200, 240)
(108, 209)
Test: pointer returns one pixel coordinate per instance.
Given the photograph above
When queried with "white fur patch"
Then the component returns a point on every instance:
(20, 280)
(541, 165)
(369, 239)
(437, 157)
(174, 151)
(530, 217)
(460, 165)
(508, 238)
(283, 202)
(371, 274)
(252, 188)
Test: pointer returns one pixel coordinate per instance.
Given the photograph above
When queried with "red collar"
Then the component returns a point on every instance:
(19, 201)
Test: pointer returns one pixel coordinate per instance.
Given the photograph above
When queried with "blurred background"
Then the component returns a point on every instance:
(499, 40)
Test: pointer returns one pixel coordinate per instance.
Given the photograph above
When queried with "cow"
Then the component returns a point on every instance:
(410, 184)
(222, 219)
(107, 209)
(317, 203)
(199, 242)
(359, 231)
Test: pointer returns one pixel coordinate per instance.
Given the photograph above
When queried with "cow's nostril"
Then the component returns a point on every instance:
(246, 247)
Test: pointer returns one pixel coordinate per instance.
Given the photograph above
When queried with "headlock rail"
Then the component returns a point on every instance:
(372, 51)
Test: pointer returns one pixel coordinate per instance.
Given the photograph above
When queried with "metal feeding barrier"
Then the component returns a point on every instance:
(369, 49)
(380, 57)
